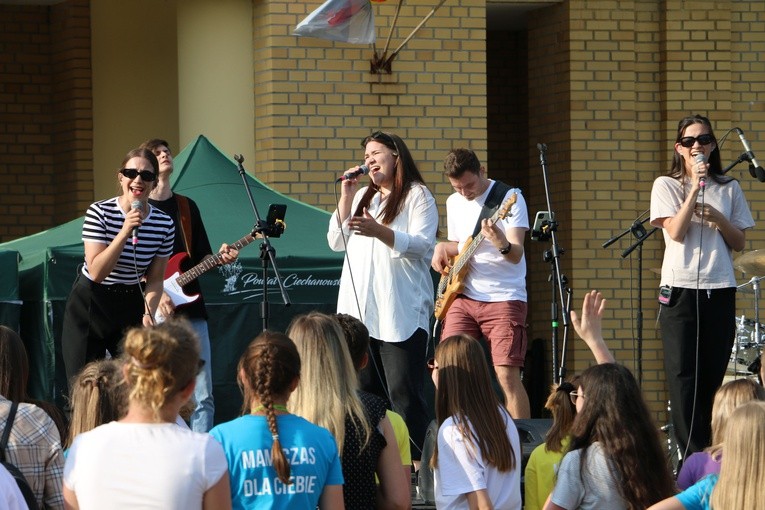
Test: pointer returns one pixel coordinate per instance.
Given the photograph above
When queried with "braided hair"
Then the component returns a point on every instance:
(266, 370)
(99, 395)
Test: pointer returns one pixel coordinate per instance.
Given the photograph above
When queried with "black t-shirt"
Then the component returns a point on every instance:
(200, 248)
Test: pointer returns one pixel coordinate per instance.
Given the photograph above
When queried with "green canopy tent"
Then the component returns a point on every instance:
(49, 262)
(10, 305)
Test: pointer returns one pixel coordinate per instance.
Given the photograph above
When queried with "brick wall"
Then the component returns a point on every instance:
(316, 100)
(45, 116)
(25, 119)
(71, 107)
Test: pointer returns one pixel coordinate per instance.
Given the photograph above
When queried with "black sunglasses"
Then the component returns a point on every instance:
(688, 141)
(132, 173)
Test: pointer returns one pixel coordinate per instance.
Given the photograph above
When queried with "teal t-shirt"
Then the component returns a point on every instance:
(698, 496)
(311, 452)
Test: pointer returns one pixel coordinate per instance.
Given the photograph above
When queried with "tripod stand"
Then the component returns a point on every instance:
(273, 226)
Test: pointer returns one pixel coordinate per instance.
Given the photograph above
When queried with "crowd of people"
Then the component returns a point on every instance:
(334, 413)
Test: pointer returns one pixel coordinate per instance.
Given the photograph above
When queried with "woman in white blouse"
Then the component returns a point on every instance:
(388, 230)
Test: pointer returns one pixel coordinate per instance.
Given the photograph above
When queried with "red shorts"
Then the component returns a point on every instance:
(503, 324)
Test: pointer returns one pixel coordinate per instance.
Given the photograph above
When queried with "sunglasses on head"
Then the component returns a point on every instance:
(381, 135)
(132, 173)
(688, 141)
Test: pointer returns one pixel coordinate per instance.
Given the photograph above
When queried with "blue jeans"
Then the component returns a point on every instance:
(204, 412)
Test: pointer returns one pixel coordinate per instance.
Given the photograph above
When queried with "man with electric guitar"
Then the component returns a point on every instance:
(191, 242)
(482, 291)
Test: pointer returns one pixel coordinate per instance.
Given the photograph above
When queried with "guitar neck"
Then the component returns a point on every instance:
(465, 256)
(211, 262)
(468, 253)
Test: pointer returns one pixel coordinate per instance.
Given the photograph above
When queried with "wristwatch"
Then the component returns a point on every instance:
(506, 249)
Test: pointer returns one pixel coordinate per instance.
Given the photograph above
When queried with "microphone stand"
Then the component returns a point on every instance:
(746, 156)
(557, 279)
(267, 252)
(641, 235)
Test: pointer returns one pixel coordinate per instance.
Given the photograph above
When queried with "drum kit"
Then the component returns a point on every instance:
(750, 333)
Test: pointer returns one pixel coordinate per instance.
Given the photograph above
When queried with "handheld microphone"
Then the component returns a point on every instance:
(363, 170)
(700, 158)
(755, 169)
(137, 204)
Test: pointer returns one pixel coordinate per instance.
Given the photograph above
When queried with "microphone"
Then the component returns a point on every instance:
(137, 204)
(755, 169)
(363, 170)
(700, 158)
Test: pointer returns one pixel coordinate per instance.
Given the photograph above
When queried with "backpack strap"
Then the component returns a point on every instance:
(7, 431)
(184, 211)
(493, 201)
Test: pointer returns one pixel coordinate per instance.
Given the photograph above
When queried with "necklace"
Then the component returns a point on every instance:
(277, 407)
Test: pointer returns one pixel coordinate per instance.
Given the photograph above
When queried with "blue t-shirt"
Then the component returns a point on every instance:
(311, 452)
(698, 497)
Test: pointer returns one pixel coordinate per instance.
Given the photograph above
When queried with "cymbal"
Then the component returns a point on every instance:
(751, 262)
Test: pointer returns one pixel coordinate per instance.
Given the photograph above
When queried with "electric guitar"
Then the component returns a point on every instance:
(175, 279)
(453, 283)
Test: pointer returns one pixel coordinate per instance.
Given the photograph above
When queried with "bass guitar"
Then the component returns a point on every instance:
(453, 283)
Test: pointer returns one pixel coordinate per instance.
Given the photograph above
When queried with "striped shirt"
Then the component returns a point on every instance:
(34, 447)
(104, 220)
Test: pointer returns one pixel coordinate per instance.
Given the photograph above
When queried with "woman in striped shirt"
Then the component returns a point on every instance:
(127, 245)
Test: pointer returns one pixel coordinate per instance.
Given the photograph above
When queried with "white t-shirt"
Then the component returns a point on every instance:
(681, 265)
(143, 465)
(393, 285)
(491, 278)
(10, 494)
(462, 469)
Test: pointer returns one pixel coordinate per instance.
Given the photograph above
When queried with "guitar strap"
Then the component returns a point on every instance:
(493, 201)
(185, 220)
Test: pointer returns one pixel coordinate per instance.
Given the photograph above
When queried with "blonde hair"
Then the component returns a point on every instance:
(563, 413)
(742, 473)
(727, 398)
(160, 361)
(327, 391)
(98, 396)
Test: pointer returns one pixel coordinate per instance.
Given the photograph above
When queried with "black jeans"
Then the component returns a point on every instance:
(400, 367)
(716, 331)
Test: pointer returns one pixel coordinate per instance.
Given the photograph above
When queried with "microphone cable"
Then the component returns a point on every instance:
(141, 287)
(698, 325)
(347, 259)
(375, 366)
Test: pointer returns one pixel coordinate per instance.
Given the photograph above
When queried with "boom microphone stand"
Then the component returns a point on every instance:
(266, 250)
(641, 235)
(557, 279)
